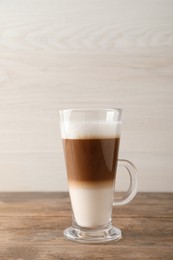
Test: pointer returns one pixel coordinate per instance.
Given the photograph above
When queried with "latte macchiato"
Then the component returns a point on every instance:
(91, 142)
(91, 167)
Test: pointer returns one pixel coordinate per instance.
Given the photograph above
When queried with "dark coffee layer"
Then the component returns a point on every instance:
(91, 184)
(91, 160)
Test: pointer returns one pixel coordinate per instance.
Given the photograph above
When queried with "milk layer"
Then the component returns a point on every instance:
(92, 207)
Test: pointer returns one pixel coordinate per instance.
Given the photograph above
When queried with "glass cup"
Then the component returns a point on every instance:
(91, 142)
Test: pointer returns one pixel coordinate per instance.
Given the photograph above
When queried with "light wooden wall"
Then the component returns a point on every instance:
(94, 53)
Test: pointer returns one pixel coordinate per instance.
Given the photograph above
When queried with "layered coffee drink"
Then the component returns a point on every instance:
(91, 142)
(91, 161)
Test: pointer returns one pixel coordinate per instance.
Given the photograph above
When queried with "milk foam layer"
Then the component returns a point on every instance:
(89, 129)
(92, 207)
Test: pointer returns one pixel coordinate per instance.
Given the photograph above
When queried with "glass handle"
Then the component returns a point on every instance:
(133, 187)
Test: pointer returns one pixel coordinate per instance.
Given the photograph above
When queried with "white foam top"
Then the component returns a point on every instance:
(89, 129)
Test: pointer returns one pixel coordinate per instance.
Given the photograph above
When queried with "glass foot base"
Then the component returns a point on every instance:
(93, 236)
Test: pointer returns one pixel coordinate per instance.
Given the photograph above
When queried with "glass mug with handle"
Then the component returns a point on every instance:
(91, 142)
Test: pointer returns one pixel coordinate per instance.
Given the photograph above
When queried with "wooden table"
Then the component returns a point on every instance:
(32, 224)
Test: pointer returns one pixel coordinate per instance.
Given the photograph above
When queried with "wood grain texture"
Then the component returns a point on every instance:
(32, 224)
(56, 54)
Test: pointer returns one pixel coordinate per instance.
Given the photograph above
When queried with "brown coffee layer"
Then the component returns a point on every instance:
(91, 160)
(91, 184)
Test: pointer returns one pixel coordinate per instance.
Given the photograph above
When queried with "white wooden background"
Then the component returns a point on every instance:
(94, 53)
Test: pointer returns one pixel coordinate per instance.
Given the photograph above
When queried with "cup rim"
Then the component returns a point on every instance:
(90, 109)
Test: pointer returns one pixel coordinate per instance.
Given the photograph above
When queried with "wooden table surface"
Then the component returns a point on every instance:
(32, 224)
